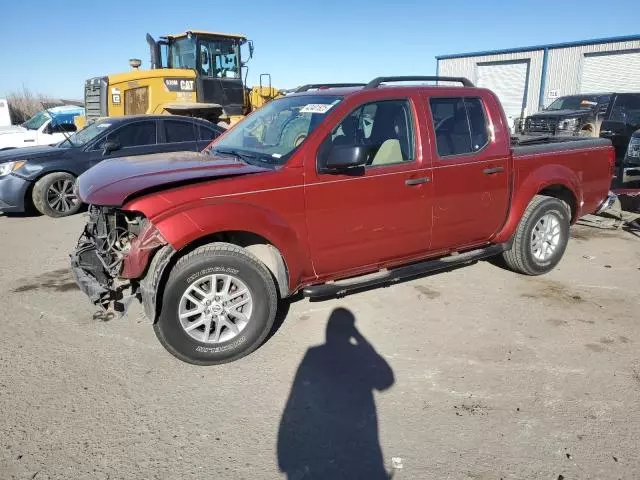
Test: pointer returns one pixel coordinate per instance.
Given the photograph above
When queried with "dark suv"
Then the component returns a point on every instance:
(610, 115)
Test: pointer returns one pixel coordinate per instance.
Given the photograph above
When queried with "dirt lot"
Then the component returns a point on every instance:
(476, 373)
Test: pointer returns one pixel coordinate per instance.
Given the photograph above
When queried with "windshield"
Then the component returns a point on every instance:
(182, 53)
(85, 135)
(587, 102)
(219, 58)
(272, 133)
(35, 122)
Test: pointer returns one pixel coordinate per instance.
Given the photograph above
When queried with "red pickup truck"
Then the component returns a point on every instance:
(326, 191)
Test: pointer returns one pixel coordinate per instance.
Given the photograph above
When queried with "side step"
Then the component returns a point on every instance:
(340, 288)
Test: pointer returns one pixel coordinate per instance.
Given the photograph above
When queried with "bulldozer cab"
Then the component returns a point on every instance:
(216, 60)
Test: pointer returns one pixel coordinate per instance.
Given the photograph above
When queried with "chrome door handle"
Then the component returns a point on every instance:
(491, 171)
(417, 181)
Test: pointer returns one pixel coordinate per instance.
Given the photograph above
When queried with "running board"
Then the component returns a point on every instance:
(340, 288)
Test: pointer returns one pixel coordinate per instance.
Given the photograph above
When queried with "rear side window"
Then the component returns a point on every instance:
(460, 125)
(207, 133)
(176, 131)
(135, 134)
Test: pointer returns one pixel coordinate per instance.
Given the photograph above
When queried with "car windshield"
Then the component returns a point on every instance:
(35, 122)
(271, 134)
(85, 135)
(578, 102)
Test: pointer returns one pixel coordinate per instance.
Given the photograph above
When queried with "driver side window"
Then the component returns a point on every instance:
(385, 128)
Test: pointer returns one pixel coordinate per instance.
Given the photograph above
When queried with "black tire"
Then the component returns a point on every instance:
(217, 258)
(520, 257)
(41, 195)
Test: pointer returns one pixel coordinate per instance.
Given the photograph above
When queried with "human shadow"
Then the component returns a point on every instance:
(329, 428)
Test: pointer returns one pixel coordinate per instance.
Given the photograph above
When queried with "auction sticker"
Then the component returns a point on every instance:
(316, 108)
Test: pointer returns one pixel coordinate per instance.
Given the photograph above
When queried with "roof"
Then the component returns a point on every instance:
(144, 116)
(344, 91)
(549, 46)
(204, 32)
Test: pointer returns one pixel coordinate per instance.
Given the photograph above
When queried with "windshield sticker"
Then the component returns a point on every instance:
(104, 125)
(316, 108)
(276, 155)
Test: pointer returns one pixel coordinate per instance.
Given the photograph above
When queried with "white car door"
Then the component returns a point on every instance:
(46, 138)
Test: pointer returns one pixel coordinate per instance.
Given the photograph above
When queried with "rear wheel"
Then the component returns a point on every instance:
(541, 237)
(53, 195)
(219, 304)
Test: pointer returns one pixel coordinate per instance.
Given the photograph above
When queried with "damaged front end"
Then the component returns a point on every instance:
(113, 254)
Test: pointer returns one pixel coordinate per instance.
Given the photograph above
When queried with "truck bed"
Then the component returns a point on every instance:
(531, 145)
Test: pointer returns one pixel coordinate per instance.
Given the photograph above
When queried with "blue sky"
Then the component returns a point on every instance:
(53, 46)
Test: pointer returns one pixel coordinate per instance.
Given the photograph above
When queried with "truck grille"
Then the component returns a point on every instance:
(95, 98)
(544, 125)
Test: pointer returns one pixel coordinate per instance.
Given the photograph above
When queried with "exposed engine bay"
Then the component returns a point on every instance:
(101, 249)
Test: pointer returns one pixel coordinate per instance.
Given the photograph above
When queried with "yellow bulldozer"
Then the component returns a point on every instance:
(193, 73)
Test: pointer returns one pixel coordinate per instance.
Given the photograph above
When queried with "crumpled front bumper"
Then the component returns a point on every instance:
(101, 289)
(112, 294)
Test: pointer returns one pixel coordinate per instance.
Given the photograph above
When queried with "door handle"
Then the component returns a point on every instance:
(417, 181)
(493, 170)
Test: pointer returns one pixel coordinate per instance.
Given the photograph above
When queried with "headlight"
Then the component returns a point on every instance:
(7, 168)
(569, 124)
(633, 150)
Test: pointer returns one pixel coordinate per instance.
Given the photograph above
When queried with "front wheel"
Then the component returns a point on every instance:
(219, 304)
(541, 237)
(53, 195)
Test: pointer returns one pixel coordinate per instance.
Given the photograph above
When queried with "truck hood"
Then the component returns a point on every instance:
(112, 182)
(30, 153)
(562, 113)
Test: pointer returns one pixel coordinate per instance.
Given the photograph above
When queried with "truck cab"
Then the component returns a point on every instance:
(46, 127)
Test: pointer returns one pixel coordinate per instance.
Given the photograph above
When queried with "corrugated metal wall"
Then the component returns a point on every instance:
(564, 69)
(467, 66)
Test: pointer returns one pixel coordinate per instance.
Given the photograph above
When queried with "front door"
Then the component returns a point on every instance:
(470, 173)
(136, 138)
(376, 214)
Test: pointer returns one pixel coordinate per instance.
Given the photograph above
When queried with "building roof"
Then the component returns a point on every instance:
(550, 46)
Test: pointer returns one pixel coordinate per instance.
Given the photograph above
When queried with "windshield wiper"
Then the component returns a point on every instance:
(245, 157)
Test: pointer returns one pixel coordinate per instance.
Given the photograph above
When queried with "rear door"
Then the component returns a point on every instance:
(470, 172)
(178, 135)
(379, 213)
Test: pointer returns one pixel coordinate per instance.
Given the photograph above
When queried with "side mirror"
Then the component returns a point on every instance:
(110, 146)
(339, 157)
(250, 48)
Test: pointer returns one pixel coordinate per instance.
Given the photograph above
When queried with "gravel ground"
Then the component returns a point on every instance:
(477, 373)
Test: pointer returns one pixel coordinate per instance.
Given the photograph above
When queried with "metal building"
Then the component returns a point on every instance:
(529, 78)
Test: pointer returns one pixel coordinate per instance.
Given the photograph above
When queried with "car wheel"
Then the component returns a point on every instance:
(219, 305)
(53, 195)
(541, 237)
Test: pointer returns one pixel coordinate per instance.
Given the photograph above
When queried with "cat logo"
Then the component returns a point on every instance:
(179, 84)
(186, 85)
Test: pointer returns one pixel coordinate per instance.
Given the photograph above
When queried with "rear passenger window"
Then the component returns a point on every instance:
(460, 125)
(135, 135)
(176, 131)
(385, 128)
(207, 133)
